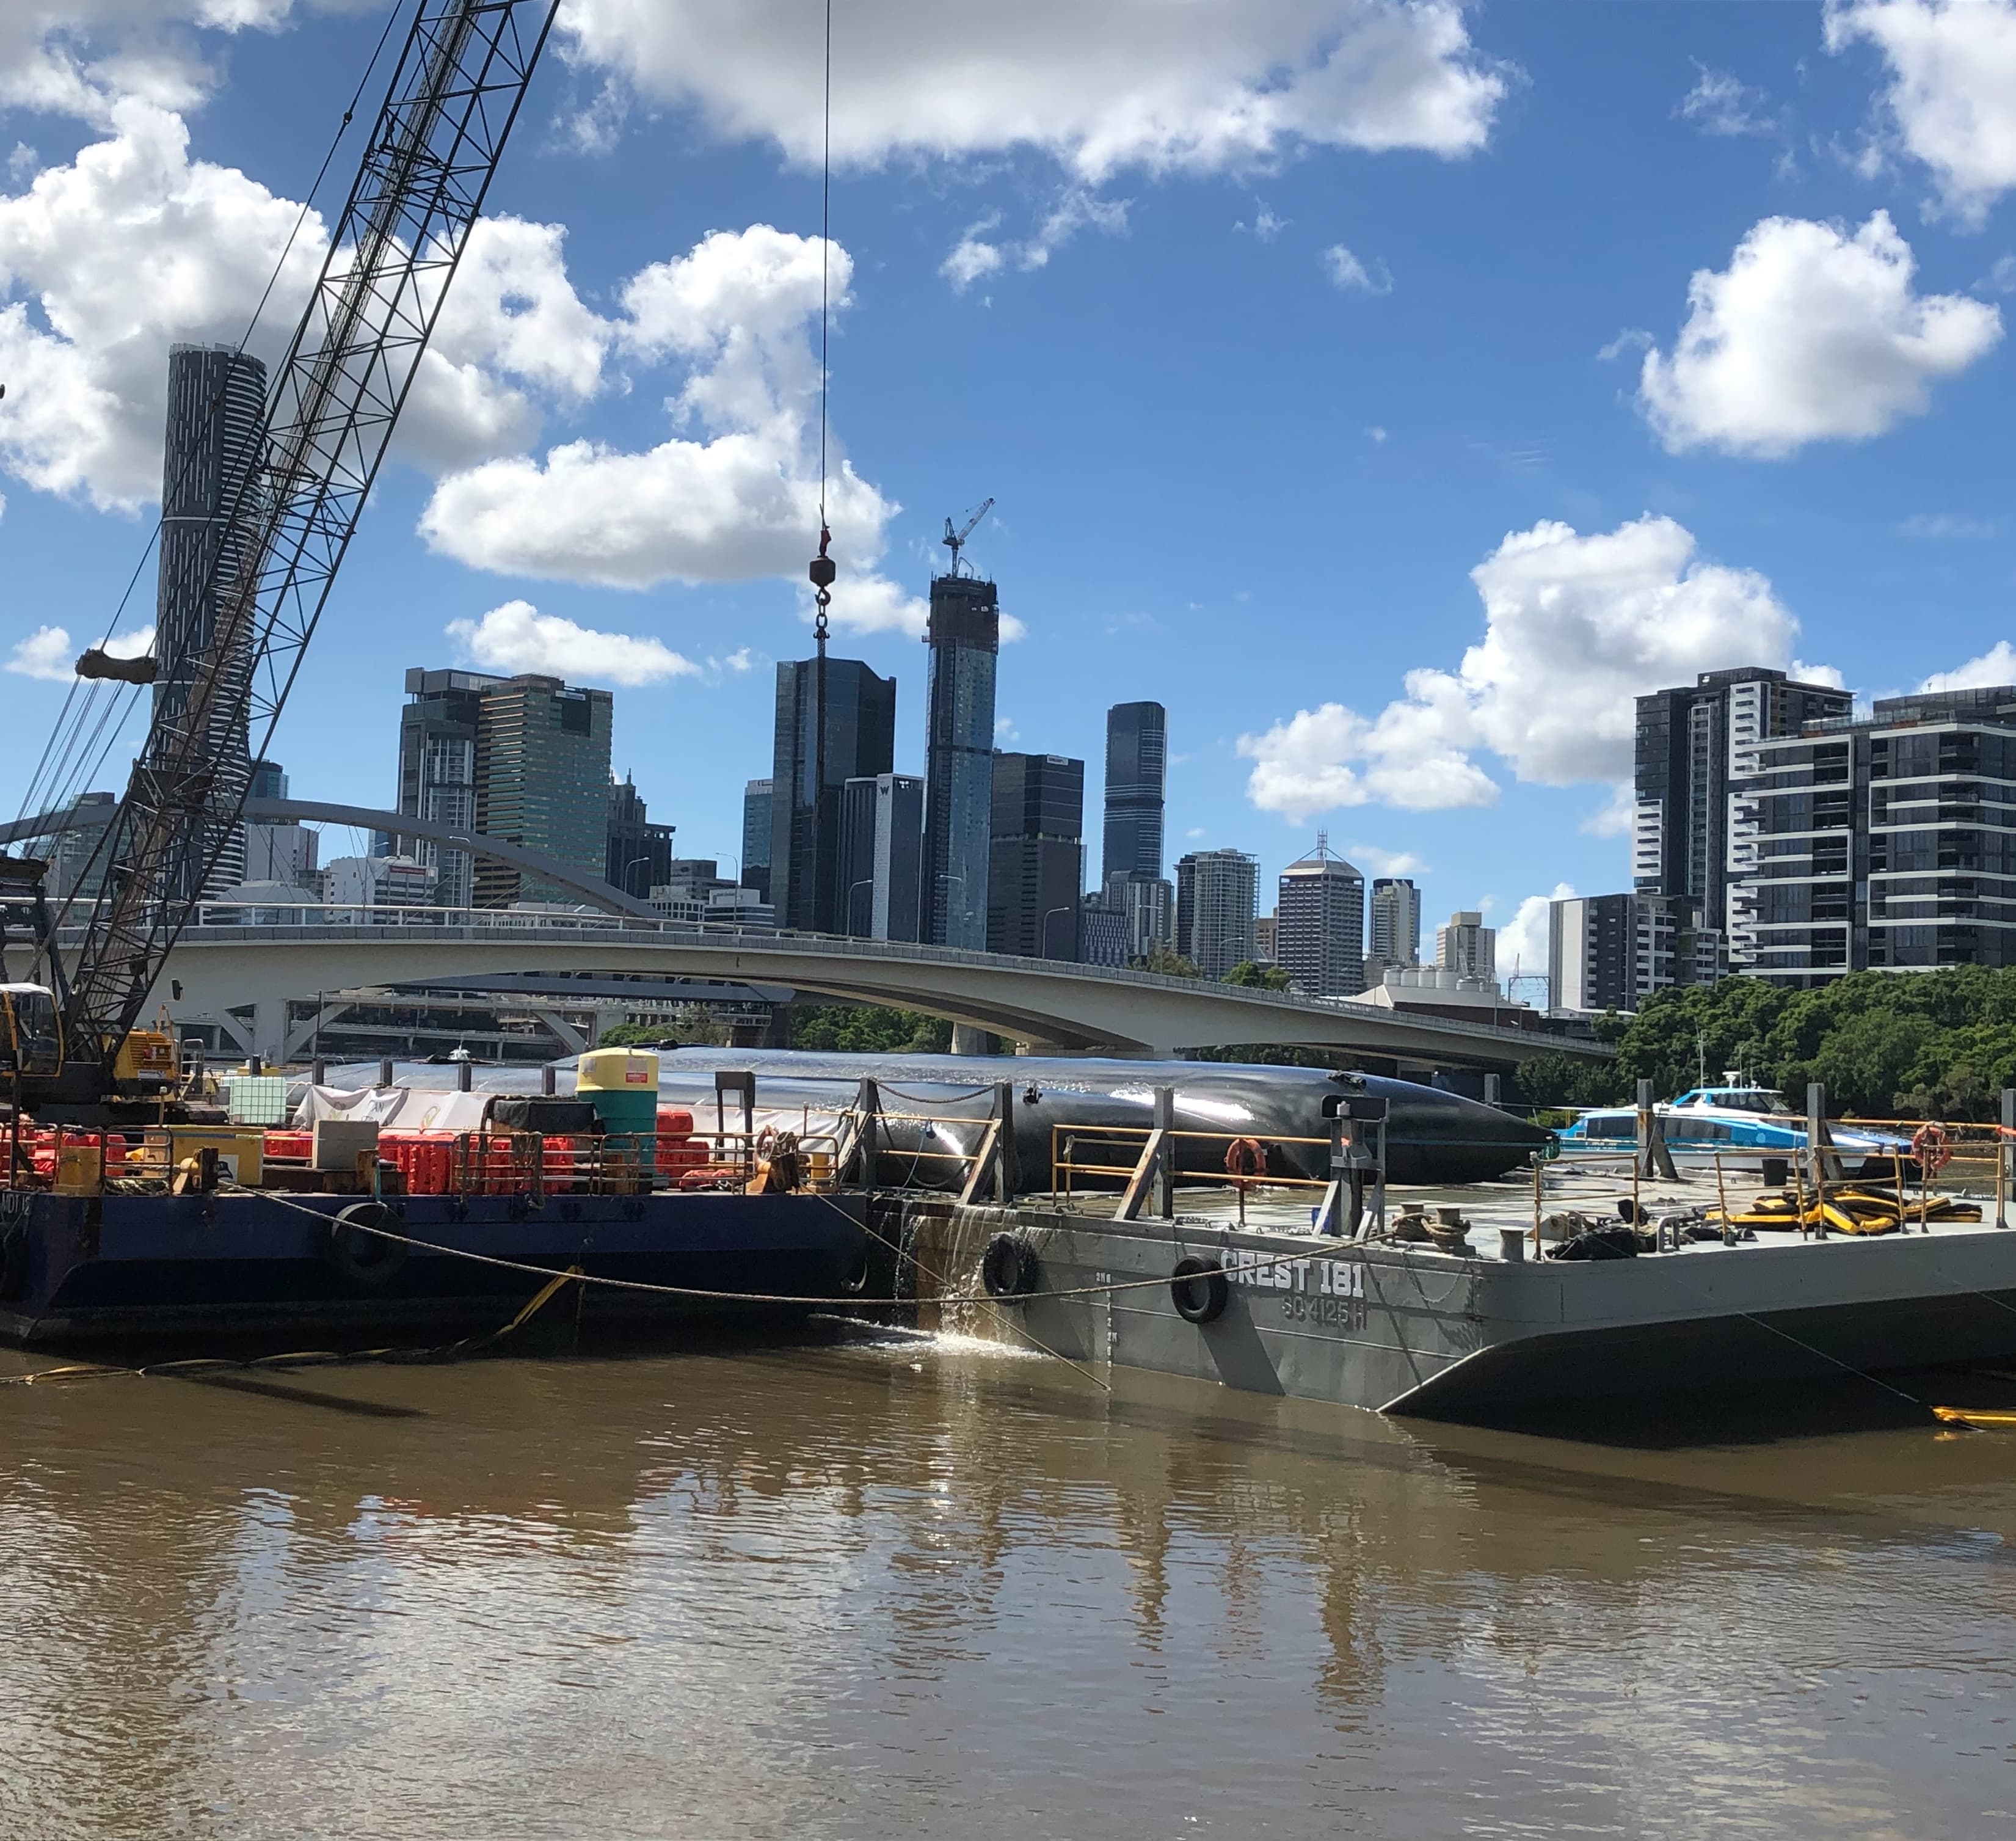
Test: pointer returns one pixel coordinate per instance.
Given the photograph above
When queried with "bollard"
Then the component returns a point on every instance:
(548, 1080)
(464, 1073)
(2002, 1156)
(255, 1065)
(385, 1071)
(318, 1072)
(1827, 1162)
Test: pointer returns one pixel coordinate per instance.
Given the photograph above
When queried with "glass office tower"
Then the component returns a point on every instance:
(964, 635)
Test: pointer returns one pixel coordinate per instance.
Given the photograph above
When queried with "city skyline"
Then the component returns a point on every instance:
(1326, 349)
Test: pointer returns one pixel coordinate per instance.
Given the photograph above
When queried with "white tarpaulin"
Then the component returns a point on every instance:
(395, 1108)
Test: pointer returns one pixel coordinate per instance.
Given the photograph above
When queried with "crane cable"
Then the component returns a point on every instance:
(71, 758)
(823, 569)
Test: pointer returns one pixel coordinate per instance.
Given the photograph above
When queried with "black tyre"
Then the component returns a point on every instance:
(366, 1245)
(1198, 1289)
(1010, 1267)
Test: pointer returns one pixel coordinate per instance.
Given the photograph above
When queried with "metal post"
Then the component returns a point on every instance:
(1826, 1165)
(254, 1064)
(1006, 1171)
(465, 1075)
(2002, 1156)
(868, 1104)
(548, 1080)
(1165, 1174)
(318, 1072)
(1491, 1090)
(385, 1071)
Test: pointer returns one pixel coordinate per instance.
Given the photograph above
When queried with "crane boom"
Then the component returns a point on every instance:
(954, 541)
(433, 151)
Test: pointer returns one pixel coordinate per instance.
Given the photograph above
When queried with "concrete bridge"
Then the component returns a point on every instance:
(239, 968)
(242, 977)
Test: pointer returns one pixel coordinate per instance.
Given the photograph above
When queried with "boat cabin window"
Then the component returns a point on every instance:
(1697, 1130)
(1611, 1125)
(30, 1038)
(1749, 1099)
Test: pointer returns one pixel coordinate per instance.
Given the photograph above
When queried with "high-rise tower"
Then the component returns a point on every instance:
(542, 781)
(1395, 928)
(1319, 937)
(1690, 742)
(1214, 900)
(1037, 856)
(210, 482)
(964, 635)
(806, 818)
(1136, 754)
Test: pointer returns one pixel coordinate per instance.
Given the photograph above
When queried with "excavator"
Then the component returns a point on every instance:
(71, 1049)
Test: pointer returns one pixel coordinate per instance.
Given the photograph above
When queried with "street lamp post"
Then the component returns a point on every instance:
(866, 882)
(1043, 929)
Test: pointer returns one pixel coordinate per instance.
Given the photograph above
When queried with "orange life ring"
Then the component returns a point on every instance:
(1932, 1146)
(1246, 1156)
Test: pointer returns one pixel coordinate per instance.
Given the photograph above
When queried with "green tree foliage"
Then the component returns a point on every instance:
(631, 1035)
(1256, 977)
(1168, 963)
(868, 1029)
(1887, 1044)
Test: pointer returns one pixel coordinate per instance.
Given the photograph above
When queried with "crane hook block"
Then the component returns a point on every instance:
(97, 663)
(823, 569)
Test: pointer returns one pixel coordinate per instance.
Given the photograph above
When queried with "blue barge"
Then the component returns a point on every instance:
(77, 1271)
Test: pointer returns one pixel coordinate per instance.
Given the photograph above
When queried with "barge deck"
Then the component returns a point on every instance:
(1484, 1330)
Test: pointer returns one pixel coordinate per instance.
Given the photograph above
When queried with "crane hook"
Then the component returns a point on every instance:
(823, 571)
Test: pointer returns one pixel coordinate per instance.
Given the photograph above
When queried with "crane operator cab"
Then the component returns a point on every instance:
(30, 1032)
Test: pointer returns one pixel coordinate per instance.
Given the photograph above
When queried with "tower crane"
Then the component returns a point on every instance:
(954, 541)
(433, 150)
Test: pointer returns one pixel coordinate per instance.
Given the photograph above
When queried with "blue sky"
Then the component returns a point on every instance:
(1392, 391)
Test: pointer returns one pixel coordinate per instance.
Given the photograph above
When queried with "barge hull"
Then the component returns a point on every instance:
(1404, 1329)
(90, 1271)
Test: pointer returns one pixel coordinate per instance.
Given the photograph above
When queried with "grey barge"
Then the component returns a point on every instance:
(1486, 1333)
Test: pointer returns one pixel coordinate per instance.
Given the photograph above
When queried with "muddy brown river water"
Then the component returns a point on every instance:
(918, 1589)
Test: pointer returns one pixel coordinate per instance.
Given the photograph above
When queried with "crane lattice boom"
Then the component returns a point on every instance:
(433, 151)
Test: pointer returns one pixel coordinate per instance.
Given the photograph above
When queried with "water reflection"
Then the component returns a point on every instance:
(869, 1591)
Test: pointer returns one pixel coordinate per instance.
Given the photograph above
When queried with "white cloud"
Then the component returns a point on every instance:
(1811, 334)
(1388, 863)
(1077, 209)
(1613, 818)
(133, 246)
(1945, 527)
(1523, 941)
(733, 496)
(127, 250)
(1099, 84)
(1997, 665)
(1348, 273)
(45, 654)
(48, 654)
(1576, 628)
(973, 257)
(970, 261)
(1719, 104)
(1953, 87)
(517, 637)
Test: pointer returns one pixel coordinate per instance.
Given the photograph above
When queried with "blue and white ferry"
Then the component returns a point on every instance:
(1706, 1119)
